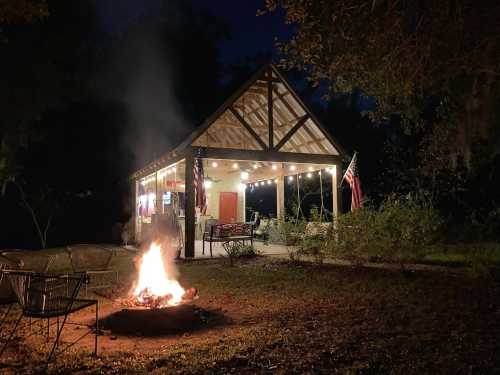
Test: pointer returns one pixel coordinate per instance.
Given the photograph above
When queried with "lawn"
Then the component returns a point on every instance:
(301, 318)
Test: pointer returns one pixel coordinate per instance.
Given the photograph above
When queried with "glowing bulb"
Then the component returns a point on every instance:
(244, 175)
(241, 187)
(309, 175)
(290, 178)
(174, 169)
(276, 181)
(256, 185)
(310, 169)
(214, 164)
(274, 167)
(332, 170)
(262, 183)
(255, 166)
(300, 176)
(207, 184)
(235, 165)
(269, 182)
(293, 167)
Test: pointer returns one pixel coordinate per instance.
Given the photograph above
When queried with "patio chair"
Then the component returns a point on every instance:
(19, 260)
(209, 223)
(44, 296)
(93, 260)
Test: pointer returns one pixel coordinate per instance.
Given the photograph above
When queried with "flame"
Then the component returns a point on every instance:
(154, 280)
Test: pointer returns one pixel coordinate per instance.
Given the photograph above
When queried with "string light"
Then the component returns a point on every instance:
(274, 167)
(235, 165)
(290, 178)
(214, 164)
(255, 166)
(269, 182)
(262, 183)
(309, 175)
(310, 169)
(276, 181)
(244, 175)
(293, 167)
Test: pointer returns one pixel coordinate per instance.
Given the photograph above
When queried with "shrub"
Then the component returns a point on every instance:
(238, 250)
(400, 230)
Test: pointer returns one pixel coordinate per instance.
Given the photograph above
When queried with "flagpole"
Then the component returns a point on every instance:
(353, 158)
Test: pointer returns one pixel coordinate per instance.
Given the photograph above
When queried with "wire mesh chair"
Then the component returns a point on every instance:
(7, 296)
(94, 261)
(44, 296)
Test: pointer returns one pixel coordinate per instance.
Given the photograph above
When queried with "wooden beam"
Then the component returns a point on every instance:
(248, 127)
(292, 131)
(270, 156)
(190, 206)
(270, 105)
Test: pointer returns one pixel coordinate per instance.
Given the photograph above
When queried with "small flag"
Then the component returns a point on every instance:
(352, 178)
(199, 184)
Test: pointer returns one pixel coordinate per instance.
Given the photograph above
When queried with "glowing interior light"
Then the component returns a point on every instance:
(262, 183)
(274, 167)
(293, 167)
(269, 182)
(276, 181)
(290, 178)
(174, 169)
(255, 166)
(214, 164)
(207, 184)
(235, 165)
(332, 170)
(300, 176)
(309, 175)
(244, 175)
(310, 169)
(256, 185)
(241, 187)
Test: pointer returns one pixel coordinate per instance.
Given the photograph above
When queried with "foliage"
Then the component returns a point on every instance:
(237, 249)
(400, 230)
(481, 259)
(403, 54)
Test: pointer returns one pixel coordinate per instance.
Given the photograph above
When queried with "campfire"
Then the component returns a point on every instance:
(155, 287)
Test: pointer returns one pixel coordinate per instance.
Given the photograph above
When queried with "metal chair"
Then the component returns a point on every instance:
(7, 296)
(44, 296)
(92, 260)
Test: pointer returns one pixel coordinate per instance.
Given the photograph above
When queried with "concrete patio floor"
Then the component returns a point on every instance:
(218, 249)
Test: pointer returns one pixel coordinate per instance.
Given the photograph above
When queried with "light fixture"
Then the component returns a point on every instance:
(310, 168)
(319, 172)
(235, 165)
(174, 169)
(290, 178)
(244, 175)
(274, 167)
(276, 181)
(300, 176)
(207, 184)
(293, 167)
(269, 182)
(214, 164)
(309, 175)
(256, 185)
(242, 187)
(255, 166)
(332, 170)
(262, 183)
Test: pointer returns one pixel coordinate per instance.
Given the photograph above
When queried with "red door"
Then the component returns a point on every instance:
(228, 207)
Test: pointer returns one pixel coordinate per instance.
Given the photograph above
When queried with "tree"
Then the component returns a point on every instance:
(433, 63)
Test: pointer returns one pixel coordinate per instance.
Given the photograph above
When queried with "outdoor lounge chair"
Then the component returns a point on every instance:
(44, 296)
(19, 260)
(93, 260)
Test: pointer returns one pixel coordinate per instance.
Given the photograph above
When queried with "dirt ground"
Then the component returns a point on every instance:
(272, 316)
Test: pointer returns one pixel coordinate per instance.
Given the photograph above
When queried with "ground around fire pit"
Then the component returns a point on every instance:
(161, 322)
(301, 318)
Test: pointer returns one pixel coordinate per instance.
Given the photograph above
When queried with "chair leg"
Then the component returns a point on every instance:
(58, 336)
(5, 315)
(203, 247)
(96, 326)
(210, 249)
(11, 333)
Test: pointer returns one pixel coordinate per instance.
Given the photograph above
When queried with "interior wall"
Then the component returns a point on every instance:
(228, 183)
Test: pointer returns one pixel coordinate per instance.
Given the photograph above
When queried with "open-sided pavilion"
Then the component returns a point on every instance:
(262, 135)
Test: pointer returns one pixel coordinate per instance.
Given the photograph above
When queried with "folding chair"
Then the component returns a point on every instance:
(44, 296)
(93, 260)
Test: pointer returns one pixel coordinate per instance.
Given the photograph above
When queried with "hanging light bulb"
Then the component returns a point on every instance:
(262, 183)
(309, 175)
(244, 175)
(269, 182)
(274, 167)
(290, 178)
(255, 166)
(310, 168)
(293, 167)
(276, 181)
(235, 165)
(214, 164)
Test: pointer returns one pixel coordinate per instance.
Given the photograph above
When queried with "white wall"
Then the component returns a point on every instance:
(228, 183)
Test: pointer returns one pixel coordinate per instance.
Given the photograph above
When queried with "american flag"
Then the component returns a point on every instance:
(352, 178)
(199, 185)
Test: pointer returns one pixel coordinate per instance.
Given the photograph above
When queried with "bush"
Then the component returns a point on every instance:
(239, 250)
(400, 230)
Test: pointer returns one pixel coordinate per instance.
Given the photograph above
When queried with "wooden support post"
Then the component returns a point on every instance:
(280, 194)
(336, 191)
(134, 204)
(190, 209)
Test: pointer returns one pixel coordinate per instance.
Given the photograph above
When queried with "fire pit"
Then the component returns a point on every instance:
(158, 304)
